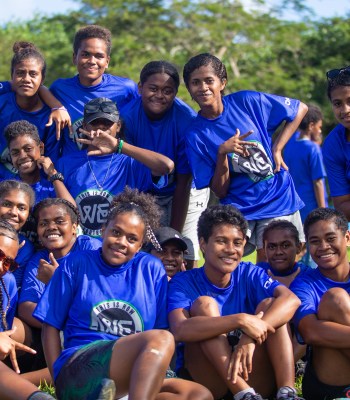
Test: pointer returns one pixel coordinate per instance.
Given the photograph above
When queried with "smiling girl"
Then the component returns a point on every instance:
(112, 310)
(246, 171)
(16, 200)
(28, 68)
(57, 223)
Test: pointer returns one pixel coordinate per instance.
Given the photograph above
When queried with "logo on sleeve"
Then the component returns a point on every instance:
(268, 283)
(116, 317)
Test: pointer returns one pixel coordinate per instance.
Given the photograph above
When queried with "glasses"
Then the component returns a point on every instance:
(8, 263)
(334, 73)
(108, 108)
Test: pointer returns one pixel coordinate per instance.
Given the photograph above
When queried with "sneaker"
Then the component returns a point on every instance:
(251, 396)
(287, 392)
(108, 390)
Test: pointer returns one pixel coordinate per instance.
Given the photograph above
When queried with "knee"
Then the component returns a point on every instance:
(205, 306)
(161, 340)
(335, 300)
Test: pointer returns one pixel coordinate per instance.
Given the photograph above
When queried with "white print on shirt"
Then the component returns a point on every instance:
(93, 208)
(116, 317)
(257, 165)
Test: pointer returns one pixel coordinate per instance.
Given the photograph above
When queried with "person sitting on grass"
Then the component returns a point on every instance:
(172, 250)
(282, 245)
(232, 303)
(111, 305)
(323, 318)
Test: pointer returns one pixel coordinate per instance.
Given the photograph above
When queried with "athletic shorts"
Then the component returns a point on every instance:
(81, 376)
(314, 389)
(256, 229)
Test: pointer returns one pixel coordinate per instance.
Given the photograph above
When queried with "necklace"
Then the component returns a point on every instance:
(98, 184)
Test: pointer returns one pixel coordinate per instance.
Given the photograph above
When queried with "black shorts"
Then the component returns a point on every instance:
(314, 389)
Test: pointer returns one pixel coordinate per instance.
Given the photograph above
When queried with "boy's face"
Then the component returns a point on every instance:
(223, 251)
(91, 61)
(25, 152)
(172, 257)
(328, 247)
(340, 99)
(281, 249)
(316, 131)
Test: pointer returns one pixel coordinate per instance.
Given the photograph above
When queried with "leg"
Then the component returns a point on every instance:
(180, 389)
(139, 363)
(13, 387)
(332, 366)
(208, 361)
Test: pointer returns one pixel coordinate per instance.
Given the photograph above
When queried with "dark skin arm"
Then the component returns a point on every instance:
(180, 201)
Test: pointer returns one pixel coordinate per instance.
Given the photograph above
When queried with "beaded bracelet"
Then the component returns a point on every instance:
(120, 145)
(62, 108)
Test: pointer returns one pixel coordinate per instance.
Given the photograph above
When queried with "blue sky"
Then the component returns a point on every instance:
(24, 9)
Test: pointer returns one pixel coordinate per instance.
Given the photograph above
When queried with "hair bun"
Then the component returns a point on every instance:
(20, 46)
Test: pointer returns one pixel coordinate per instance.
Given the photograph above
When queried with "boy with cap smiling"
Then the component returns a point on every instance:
(108, 164)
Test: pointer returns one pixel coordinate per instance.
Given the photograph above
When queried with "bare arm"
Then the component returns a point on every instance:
(180, 201)
(50, 337)
(342, 203)
(25, 313)
(285, 135)
(221, 178)
(319, 192)
(282, 308)
(324, 333)
(194, 329)
(107, 144)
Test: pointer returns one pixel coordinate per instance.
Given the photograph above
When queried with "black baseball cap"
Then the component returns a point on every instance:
(101, 107)
(165, 234)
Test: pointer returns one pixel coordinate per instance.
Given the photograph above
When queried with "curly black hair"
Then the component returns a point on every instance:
(71, 208)
(23, 51)
(343, 79)
(92, 32)
(217, 215)
(21, 128)
(282, 224)
(326, 214)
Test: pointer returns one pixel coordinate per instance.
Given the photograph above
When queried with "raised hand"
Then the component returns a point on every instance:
(102, 140)
(9, 346)
(62, 119)
(47, 165)
(46, 269)
(237, 144)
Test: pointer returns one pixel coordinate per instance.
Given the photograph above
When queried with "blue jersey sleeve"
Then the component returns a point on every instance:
(5, 87)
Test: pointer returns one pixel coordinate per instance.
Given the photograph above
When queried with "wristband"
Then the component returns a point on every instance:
(62, 108)
(56, 177)
(120, 146)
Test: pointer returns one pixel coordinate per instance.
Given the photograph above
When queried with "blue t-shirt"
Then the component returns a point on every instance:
(165, 136)
(32, 288)
(267, 267)
(304, 160)
(113, 172)
(10, 112)
(101, 302)
(25, 253)
(8, 304)
(254, 189)
(73, 95)
(336, 156)
(248, 286)
(310, 287)
(5, 87)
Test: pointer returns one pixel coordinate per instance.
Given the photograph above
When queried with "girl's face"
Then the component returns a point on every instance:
(281, 249)
(316, 131)
(56, 231)
(14, 208)
(25, 152)
(158, 94)
(27, 77)
(205, 86)
(10, 248)
(122, 238)
(340, 100)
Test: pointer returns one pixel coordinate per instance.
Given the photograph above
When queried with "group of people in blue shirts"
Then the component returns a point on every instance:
(91, 169)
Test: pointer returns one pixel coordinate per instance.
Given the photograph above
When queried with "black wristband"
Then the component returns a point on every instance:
(56, 177)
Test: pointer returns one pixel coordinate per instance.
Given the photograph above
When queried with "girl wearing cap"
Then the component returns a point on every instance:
(107, 165)
(335, 147)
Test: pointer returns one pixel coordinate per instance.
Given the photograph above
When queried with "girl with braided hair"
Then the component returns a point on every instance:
(111, 305)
